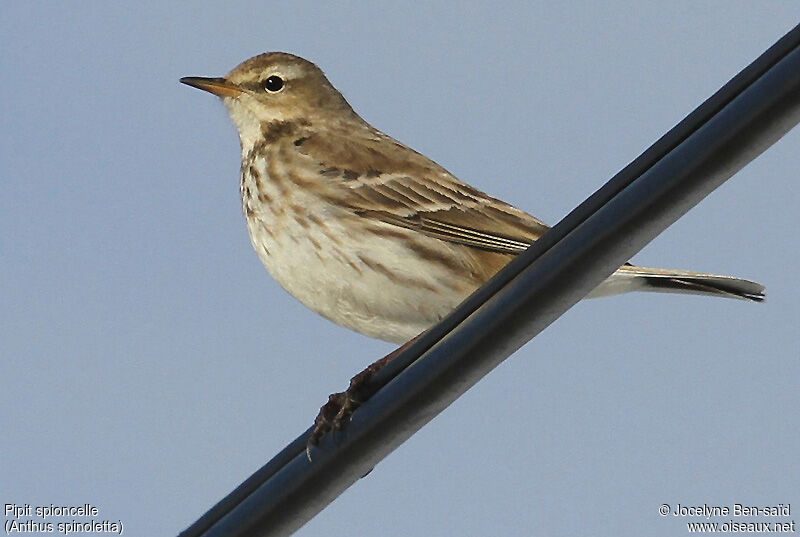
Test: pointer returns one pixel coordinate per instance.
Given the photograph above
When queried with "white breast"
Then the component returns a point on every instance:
(329, 260)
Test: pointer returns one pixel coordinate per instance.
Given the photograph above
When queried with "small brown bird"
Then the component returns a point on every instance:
(366, 231)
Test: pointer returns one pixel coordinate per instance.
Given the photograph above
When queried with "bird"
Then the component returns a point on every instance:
(364, 230)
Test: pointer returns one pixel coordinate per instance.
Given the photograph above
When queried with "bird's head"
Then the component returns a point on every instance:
(275, 86)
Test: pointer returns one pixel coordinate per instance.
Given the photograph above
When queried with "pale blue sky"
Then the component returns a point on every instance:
(149, 363)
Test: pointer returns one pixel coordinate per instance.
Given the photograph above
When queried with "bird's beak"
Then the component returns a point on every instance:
(218, 86)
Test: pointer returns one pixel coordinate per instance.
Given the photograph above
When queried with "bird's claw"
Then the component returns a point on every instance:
(337, 412)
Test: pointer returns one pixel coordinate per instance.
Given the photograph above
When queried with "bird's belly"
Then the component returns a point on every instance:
(369, 283)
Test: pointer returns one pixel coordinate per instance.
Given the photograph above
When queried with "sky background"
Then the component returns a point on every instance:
(149, 363)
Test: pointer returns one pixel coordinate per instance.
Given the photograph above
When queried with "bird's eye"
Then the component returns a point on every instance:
(273, 84)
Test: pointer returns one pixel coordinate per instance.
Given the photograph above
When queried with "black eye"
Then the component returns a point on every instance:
(273, 84)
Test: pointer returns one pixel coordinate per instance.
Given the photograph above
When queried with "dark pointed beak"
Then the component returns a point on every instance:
(218, 86)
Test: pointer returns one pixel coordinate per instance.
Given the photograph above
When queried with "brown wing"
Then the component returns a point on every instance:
(379, 178)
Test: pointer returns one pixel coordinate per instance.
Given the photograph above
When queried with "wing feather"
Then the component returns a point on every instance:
(392, 183)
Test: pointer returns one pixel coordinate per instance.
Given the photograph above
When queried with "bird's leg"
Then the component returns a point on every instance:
(335, 414)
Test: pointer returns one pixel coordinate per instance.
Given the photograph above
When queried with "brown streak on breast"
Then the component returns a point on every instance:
(394, 277)
(266, 229)
(317, 220)
(323, 227)
(338, 254)
(296, 208)
(302, 222)
(314, 242)
(255, 174)
(259, 148)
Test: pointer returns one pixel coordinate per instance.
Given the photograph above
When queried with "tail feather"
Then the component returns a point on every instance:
(683, 281)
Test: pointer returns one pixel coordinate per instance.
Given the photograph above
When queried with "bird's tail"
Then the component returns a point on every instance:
(633, 278)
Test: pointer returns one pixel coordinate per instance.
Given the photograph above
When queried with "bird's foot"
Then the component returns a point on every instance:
(336, 413)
